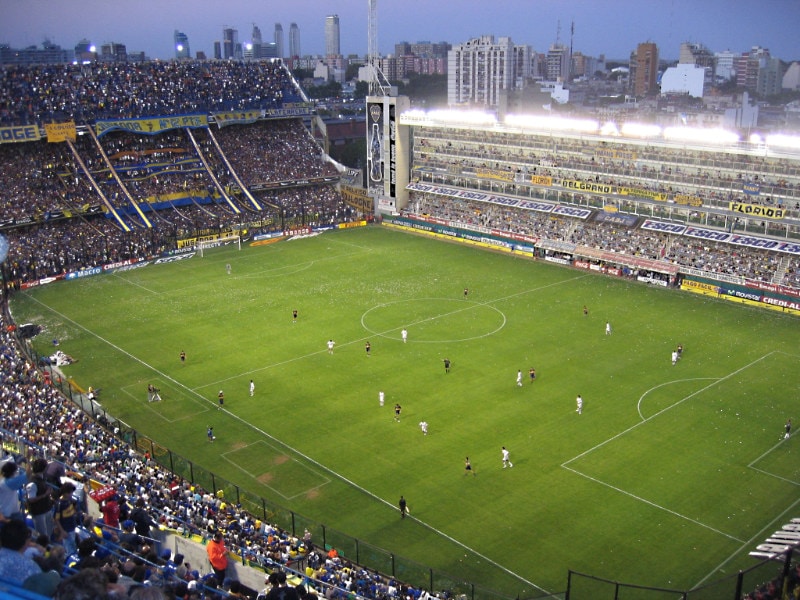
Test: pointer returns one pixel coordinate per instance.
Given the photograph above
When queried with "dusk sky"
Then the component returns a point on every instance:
(610, 27)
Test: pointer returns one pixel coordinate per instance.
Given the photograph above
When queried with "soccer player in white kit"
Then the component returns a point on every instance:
(331, 344)
(579, 402)
(506, 461)
(423, 425)
(608, 328)
(674, 357)
(252, 388)
(404, 335)
(519, 378)
(381, 398)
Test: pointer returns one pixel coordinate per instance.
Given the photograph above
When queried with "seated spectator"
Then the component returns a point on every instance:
(14, 565)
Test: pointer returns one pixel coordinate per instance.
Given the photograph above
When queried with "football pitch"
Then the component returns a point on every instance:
(668, 477)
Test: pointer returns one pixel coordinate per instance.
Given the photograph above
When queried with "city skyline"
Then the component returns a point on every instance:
(609, 27)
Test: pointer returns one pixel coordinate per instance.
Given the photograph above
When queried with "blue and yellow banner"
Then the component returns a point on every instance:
(240, 117)
(21, 133)
(151, 126)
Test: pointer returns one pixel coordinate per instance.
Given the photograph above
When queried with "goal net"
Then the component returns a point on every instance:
(225, 240)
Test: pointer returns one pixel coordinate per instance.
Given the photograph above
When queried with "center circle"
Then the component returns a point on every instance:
(433, 320)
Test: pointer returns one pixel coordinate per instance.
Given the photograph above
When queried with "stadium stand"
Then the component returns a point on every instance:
(55, 203)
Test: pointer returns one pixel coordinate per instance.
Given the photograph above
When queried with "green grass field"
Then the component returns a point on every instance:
(668, 478)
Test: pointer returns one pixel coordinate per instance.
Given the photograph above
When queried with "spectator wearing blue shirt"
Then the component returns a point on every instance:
(10, 485)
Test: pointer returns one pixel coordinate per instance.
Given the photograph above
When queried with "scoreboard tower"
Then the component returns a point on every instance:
(388, 153)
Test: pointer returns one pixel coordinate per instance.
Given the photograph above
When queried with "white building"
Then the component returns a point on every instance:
(480, 69)
(791, 79)
(684, 79)
(725, 68)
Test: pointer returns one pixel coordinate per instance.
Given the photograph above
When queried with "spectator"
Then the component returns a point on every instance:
(14, 565)
(218, 556)
(40, 499)
(12, 482)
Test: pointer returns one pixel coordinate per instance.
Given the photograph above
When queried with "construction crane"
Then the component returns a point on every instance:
(378, 84)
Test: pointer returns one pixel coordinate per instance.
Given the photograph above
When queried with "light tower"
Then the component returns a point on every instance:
(378, 84)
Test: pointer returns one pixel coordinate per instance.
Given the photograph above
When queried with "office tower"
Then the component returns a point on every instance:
(217, 50)
(724, 61)
(181, 45)
(294, 41)
(253, 50)
(332, 36)
(278, 39)
(479, 70)
(558, 63)
(230, 40)
(111, 52)
(644, 69)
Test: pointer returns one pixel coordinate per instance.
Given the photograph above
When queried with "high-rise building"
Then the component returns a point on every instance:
(253, 50)
(85, 51)
(644, 69)
(113, 52)
(699, 55)
(230, 40)
(558, 63)
(480, 69)
(770, 76)
(757, 71)
(217, 50)
(278, 39)
(725, 60)
(181, 45)
(49, 53)
(332, 47)
(294, 41)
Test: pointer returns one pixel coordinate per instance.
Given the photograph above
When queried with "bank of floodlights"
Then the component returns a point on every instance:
(781, 140)
(641, 130)
(548, 123)
(716, 137)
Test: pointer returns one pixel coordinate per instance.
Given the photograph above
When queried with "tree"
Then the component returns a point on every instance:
(361, 91)
(352, 71)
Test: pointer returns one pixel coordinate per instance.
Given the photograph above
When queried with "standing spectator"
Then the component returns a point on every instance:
(141, 518)
(40, 499)
(218, 556)
(12, 482)
(67, 517)
(111, 511)
(54, 472)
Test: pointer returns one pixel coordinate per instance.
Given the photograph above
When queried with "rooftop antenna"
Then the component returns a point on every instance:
(378, 84)
(571, 37)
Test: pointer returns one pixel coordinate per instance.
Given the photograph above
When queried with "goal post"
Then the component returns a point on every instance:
(224, 240)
